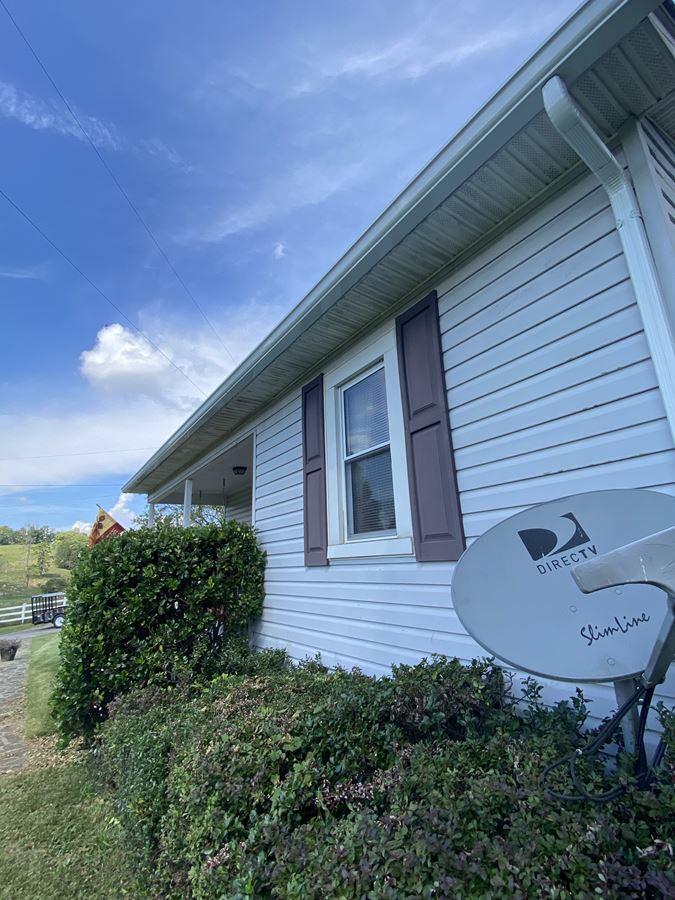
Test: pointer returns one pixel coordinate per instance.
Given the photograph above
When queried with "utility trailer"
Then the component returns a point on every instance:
(47, 608)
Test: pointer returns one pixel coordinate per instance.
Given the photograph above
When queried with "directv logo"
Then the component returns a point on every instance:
(543, 544)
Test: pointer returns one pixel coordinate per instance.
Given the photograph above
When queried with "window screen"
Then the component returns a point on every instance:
(369, 484)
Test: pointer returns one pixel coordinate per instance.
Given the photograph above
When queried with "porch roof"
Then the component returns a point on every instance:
(617, 57)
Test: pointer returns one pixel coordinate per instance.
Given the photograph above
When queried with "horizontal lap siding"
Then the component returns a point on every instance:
(550, 384)
(239, 507)
(662, 160)
(551, 391)
(365, 613)
(551, 388)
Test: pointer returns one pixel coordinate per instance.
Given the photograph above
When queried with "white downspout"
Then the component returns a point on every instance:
(580, 134)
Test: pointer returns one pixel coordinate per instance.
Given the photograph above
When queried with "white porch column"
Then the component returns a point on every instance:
(151, 515)
(187, 502)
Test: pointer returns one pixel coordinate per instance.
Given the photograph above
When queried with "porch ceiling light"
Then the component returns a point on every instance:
(239, 470)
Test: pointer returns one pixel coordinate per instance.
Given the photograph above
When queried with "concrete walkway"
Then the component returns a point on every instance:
(13, 747)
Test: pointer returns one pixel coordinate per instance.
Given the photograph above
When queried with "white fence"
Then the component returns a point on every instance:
(10, 614)
(20, 614)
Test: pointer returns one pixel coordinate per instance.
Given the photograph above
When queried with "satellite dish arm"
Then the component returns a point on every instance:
(650, 560)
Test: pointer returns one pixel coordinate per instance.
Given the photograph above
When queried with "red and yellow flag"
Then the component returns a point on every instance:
(103, 527)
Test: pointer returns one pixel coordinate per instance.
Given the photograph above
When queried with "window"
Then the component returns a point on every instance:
(367, 457)
(368, 502)
(378, 468)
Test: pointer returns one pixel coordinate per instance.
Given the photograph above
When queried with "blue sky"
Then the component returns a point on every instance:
(257, 140)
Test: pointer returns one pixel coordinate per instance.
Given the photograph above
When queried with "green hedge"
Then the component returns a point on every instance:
(298, 783)
(154, 606)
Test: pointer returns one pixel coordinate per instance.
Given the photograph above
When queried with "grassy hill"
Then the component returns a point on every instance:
(17, 584)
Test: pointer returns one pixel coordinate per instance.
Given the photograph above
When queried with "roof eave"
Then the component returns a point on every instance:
(568, 52)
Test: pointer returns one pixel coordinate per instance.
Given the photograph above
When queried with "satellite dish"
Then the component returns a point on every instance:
(514, 593)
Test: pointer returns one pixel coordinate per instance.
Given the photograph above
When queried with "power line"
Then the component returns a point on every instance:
(97, 288)
(61, 506)
(87, 484)
(82, 453)
(49, 505)
(116, 182)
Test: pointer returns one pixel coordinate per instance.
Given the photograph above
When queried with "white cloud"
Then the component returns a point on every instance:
(122, 511)
(81, 527)
(405, 47)
(40, 116)
(155, 147)
(308, 184)
(279, 250)
(122, 359)
(123, 364)
(354, 149)
(21, 274)
(137, 400)
(76, 438)
(414, 56)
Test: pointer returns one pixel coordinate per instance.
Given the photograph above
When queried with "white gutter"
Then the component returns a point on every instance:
(579, 133)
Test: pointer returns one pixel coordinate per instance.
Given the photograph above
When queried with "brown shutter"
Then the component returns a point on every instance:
(314, 474)
(436, 515)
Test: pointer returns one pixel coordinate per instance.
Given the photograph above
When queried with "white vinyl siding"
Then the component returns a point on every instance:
(662, 153)
(354, 611)
(239, 506)
(651, 156)
(550, 386)
(551, 391)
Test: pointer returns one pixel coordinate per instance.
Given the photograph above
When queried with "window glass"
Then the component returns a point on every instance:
(365, 411)
(371, 494)
(369, 484)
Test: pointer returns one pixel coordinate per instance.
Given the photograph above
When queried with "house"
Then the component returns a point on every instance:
(502, 335)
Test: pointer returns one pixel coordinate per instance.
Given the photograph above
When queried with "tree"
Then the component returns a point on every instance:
(43, 555)
(172, 514)
(26, 558)
(67, 548)
(9, 536)
(37, 534)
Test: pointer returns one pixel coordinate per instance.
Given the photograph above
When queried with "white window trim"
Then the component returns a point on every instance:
(381, 348)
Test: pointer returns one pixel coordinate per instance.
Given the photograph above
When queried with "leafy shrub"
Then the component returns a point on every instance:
(303, 783)
(154, 606)
(54, 584)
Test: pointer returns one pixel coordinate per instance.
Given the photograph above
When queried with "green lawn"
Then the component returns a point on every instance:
(42, 666)
(13, 586)
(59, 839)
